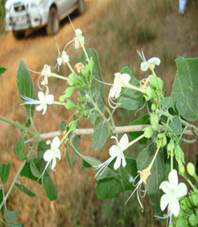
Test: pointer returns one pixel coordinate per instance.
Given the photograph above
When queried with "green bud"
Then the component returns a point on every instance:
(72, 79)
(73, 125)
(171, 145)
(61, 98)
(181, 168)
(148, 132)
(154, 121)
(69, 104)
(153, 107)
(162, 140)
(191, 169)
(69, 91)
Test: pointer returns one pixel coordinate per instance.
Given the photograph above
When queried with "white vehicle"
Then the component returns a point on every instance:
(22, 15)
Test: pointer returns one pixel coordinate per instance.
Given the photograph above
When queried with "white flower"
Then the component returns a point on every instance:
(120, 80)
(115, 152)
(79, 39)
(53, 153)
(45, 73)
(44, 100)
(63, 59)
(173, 191)
(148, 64)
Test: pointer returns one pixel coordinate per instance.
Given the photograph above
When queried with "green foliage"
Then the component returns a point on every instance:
(2, 70)
(130, 99)
(25, 190)
(20, 149)
(110, 184)
(4, 172)
(185, 90)
(100, 135)
(49, 187)
(25, 86)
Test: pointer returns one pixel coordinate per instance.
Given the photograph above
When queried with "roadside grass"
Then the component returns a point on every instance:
(123, 28)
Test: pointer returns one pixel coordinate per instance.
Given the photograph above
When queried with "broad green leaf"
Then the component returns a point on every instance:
(143, 159)
(185, 92)
(25, 86)
(2, 70)
(100, 135)
(42, 147)
(1, 195)
(89, 161)
(112, 183)
(26, 172)
(24, 189)
(20, 149)
(176, 125)
(4, 172)
(107, 188)
(35, 169)
(49, 187)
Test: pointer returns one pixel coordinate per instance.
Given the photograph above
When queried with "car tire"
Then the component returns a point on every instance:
(18, 34)
(81, 6)
(53, 22)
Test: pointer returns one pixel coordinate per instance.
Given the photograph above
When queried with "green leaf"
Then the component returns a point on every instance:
(100, 135)
(10, 216)
(24, 189)
(4, 172)
(185, 86)
(2, 70)
(89, 161)
(112, 183)
(1, 195)
(176, 125)
(20, 149)
(26, 172)
(143, 159)
(25, 86)
(107, 188)
(49, 187)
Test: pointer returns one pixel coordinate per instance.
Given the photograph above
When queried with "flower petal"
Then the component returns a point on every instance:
(124, 141)
(114, 151)
(55, 143)
(174, 207)
(39, 107)
(165, 187)
(125, 78)
(124, 163)
(57, 154)
(53, 163)
(154, 61)
(144, 66)
(48, 156)
(41, 96)
(117, 163)
(173, 178)
(49, 99)
(181, 190)
(164, 202)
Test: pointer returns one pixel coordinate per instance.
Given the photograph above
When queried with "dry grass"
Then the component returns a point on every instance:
(117, 33)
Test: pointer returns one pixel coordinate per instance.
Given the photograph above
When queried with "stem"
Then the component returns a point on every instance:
(71, 69)
(134, 88)
(135, 141)
(16, 124)
(58, 76)
(12, 184)
(154, 157)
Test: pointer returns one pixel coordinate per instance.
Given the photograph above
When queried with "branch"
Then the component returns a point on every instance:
(90, 131)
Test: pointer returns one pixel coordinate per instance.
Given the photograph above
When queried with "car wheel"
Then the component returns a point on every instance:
(18, 34)
(53, 22)
(81, 6)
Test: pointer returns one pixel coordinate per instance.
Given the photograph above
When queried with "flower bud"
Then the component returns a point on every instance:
(191, 169)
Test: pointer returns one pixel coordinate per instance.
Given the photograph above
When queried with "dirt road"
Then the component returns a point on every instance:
(36, 50)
